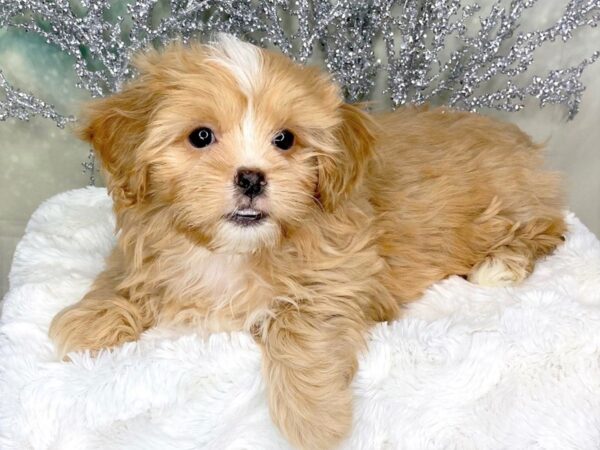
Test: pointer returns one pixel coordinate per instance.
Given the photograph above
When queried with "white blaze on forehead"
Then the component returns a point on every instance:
(251, 145)
(243, 60)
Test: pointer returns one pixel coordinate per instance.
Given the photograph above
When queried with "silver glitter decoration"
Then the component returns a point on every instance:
(91, 167)
(23, 106)
(438, 51)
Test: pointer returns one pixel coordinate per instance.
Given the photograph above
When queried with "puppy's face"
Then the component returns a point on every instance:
(239, 145)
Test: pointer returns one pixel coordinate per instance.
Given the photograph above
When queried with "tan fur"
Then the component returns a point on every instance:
(365, 212)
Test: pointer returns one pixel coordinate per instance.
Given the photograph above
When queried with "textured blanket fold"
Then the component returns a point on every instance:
(468, 367)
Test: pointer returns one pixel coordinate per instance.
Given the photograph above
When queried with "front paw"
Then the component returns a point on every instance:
(312, 418)
(93, 325)
(309, 361)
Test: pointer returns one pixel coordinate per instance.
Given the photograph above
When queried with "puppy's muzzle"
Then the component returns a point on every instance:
(250, 182)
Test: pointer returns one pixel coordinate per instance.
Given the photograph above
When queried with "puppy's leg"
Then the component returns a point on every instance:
(310, 357)
(513, 260)
(101, 319)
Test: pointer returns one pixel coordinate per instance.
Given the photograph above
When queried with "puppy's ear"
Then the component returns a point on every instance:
(342, 170)
(115, 126)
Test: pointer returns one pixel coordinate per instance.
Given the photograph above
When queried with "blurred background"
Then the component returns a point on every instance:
(38, 159)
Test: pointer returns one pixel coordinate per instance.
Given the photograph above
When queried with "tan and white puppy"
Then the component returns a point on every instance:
(249, 196)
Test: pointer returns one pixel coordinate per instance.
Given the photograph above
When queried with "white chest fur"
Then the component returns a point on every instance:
(220, 275)
(211, 291)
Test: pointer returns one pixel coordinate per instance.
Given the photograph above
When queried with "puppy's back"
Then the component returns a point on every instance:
(450, 187)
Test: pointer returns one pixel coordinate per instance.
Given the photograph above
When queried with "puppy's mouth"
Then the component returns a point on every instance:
(247, 217)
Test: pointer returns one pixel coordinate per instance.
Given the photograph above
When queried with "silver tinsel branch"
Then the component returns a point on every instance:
(23, 106)
(438, 51)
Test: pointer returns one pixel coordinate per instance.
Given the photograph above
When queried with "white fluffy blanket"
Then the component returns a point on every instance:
(467, 368)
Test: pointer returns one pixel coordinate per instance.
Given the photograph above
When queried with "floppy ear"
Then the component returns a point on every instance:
(115, 126)
(342, 170)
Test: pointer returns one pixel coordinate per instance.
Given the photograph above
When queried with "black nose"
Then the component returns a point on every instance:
(250, 182)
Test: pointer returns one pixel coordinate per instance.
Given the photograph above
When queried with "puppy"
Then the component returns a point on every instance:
(249, 196)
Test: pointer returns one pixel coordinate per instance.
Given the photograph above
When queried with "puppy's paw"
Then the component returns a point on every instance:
(313, 423)
(496, 272)
(94, 325)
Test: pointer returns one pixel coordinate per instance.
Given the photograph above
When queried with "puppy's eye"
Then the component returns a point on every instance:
(201, 137)
(283, 140)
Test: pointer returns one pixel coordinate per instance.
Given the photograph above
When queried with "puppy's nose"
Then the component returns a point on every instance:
(250, 182)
